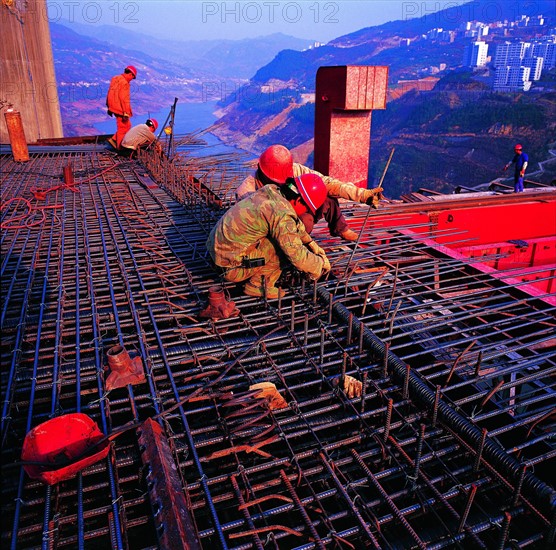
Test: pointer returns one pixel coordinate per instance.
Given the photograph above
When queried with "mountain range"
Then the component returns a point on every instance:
(449, 129)
(236, 59)
(86, 57)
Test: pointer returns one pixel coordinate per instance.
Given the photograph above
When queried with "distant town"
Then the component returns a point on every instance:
(496, 51)
(515, 63)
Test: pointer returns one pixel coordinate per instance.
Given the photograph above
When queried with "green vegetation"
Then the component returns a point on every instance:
(479, 116)
(304, 114)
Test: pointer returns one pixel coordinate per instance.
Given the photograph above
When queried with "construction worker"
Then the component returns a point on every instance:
(521, 160)
(140, 136)
(263, 232)
(119, 105)
(276, 164)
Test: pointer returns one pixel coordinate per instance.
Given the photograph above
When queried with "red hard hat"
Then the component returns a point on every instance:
(131, 69)
(518, 146)
(59, 448)
(152, 122)
(276, 163)
(312, 190)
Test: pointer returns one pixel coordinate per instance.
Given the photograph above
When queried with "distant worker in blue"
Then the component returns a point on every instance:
(521, 160)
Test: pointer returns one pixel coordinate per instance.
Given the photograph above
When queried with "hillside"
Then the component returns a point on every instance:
(457, 133)
(192, 71)
(446, 138)
(236, 59)
(85, 65)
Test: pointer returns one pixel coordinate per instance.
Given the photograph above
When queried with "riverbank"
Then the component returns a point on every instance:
(189, 118)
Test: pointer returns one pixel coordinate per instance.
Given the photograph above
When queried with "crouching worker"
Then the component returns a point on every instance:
(263, 233)
(140, 137)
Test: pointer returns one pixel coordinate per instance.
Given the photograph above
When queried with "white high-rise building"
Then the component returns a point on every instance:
(510, 53)
(535, 64)
(512, 79)
(482, 29)
(546, 48)
(476, 54)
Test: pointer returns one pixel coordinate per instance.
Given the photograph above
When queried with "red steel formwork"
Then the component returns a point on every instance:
(512, 237)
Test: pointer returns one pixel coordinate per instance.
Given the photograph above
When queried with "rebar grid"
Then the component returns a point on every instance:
(121, 261)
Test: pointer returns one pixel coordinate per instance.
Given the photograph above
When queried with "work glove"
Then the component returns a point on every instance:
(522, 173)
(326, 265)
(125, 118)
(316, 249)
(352, 386)
(109, 113)
(269, 392)
(373, 196)
(505, 168)
(324, 270)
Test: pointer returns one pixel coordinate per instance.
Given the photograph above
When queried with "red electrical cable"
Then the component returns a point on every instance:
(26, 217)
(40, 194)
(5, 225)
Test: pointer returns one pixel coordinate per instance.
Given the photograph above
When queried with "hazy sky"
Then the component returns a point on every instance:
(195, 20)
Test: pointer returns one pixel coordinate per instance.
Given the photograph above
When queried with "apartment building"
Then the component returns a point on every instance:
(476, 54)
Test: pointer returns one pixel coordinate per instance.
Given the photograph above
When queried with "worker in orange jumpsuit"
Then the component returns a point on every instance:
(119, 105)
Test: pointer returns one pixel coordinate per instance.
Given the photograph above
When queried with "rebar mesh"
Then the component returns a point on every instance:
(451, 443)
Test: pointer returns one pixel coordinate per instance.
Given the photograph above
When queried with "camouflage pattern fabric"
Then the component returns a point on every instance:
(264, 225)
(335, 188)
(248, 186)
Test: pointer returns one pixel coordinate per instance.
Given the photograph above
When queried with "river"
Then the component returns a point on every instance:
(190, 117)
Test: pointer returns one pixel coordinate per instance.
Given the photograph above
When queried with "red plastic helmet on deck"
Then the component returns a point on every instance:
(131, 69)
(312, 190)
(152, 123)
(276, 163)
(59, 448)
(518, 147)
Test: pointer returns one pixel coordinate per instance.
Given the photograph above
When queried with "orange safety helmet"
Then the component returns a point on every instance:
(518, 147)
(276, 163)
(312, 189)
(152, 123)
(131, 69)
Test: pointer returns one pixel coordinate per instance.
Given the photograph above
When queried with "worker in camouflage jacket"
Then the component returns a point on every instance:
(276, 165)
(263, 232)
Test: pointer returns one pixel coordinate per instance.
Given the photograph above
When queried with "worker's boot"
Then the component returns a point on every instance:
(254, 286)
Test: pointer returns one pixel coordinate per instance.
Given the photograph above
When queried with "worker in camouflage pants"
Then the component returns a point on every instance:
(258, 235)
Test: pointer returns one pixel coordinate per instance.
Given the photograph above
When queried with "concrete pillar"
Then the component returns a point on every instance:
(27, 78)
(344, 99)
